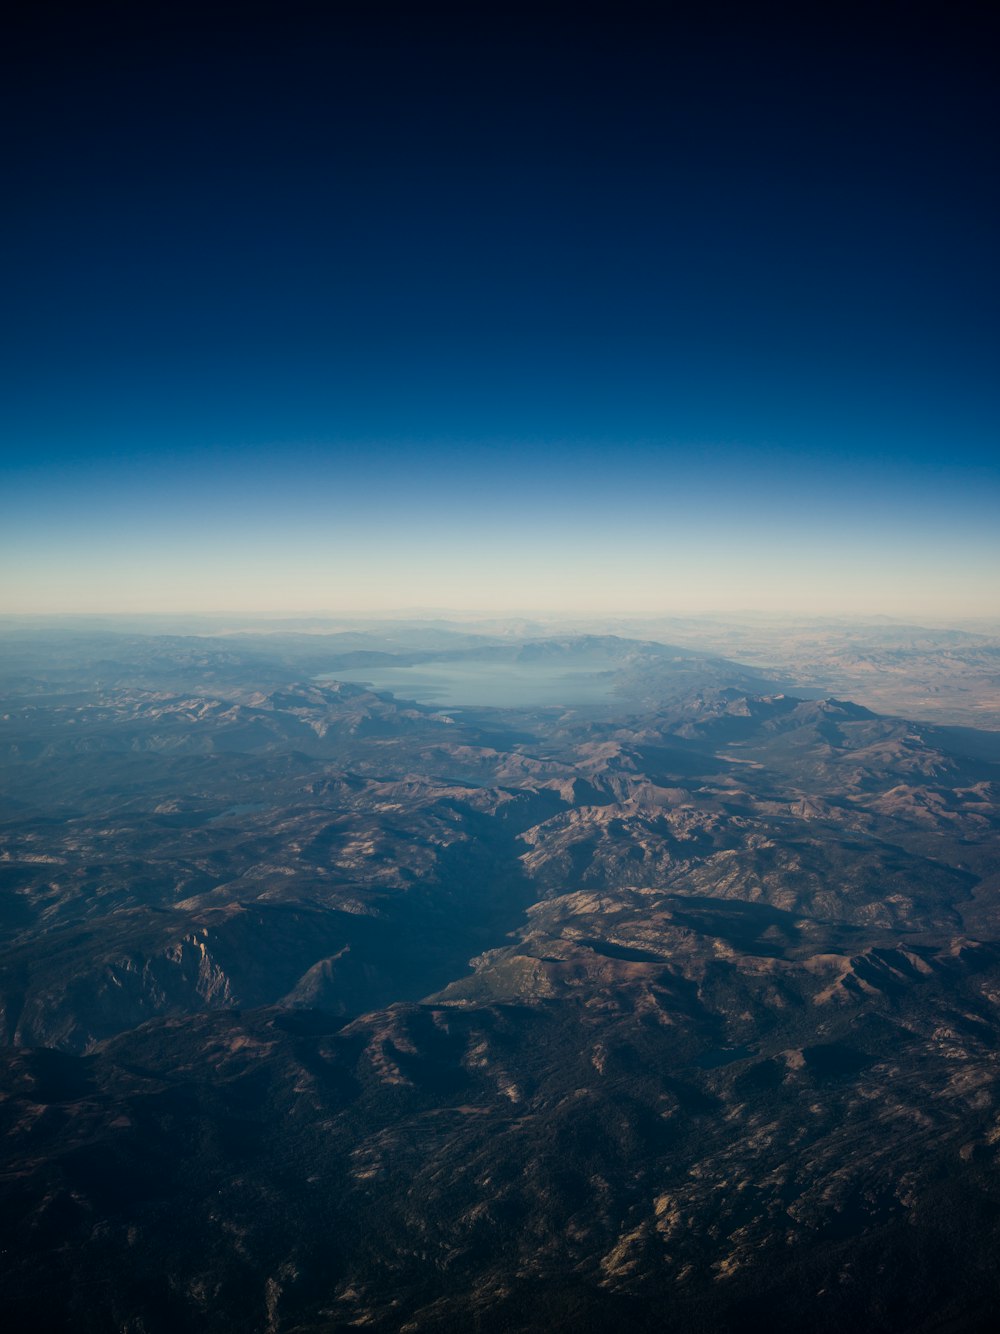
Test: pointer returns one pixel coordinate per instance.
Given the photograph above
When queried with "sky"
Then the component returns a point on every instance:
(602, 308)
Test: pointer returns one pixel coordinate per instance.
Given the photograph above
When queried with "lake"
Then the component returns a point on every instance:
(486, 684)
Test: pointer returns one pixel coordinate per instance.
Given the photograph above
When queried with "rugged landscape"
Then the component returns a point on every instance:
(665, 994)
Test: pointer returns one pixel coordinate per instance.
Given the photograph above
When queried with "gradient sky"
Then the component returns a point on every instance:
(349, 307)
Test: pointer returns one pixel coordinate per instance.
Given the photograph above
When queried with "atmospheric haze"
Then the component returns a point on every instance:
(581, 528)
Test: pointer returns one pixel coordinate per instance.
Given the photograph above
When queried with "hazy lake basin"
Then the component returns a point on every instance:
(486, 684)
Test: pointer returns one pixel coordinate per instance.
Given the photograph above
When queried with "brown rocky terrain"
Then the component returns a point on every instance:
(725, 1054)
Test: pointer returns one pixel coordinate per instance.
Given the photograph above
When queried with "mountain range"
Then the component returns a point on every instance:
(669, 997)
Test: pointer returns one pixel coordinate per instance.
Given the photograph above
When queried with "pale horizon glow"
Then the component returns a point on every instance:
(639, 529)
(609, 586)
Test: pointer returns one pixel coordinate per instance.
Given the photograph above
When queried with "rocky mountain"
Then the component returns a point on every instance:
(328, 1009)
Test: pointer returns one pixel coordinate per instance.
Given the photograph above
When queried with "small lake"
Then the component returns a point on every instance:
(486, 684)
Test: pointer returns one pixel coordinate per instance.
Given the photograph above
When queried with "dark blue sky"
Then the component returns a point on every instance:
(526, 275)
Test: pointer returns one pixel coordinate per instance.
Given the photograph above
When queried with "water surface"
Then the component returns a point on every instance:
(486, 684)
